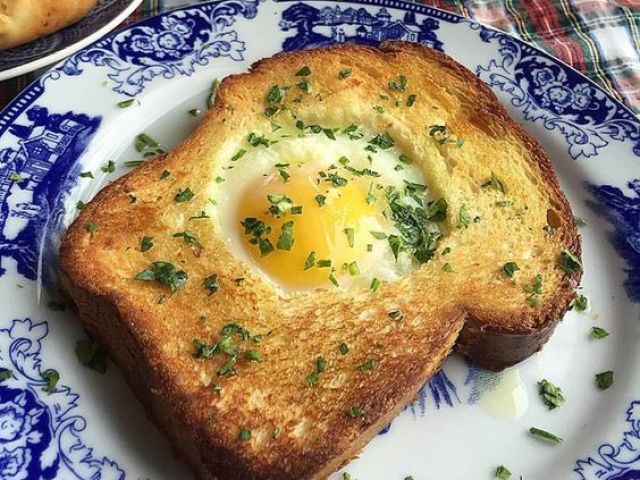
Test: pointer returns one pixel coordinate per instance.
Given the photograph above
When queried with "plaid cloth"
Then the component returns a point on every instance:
(600, 38)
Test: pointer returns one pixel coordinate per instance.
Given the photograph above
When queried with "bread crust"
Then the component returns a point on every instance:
(123, 321)
(22, 21)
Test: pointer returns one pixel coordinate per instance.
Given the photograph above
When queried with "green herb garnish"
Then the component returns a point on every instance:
(189, 238)
(343, 348)
(544, 435)
(464, 217)
(604, 380)
(164, 273)
(286, 240)
(355, 412)
(245, 434)
(239, 154)
(581, 303)
(52, 377)
(370, 364)
(144, 141)
(550, 394)
(598, 333)
(303, 72)
(110, 167)
(495, 183)
(569, 262)
(510, 268)
(375, 283)
(502, 473)
(146, 243)
(126, 103)
(184, 195)
(211, 283)
(91, 355)
(344, 73)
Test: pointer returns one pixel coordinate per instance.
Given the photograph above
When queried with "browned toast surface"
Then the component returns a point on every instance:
(306, 418)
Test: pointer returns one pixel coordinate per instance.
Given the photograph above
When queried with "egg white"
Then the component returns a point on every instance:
(315, 152)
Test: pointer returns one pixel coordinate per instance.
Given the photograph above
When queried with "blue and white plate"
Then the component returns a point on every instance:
(104, 17)
(465, 421)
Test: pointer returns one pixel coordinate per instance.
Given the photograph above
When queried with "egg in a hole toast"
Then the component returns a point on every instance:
(341, 220)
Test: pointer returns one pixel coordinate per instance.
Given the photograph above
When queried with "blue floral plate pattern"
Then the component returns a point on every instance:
(104, 17)
(56, 141)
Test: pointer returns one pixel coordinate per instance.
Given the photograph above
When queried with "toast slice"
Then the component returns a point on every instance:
(253, 383)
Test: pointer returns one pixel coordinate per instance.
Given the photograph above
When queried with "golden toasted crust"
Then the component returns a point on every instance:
(24, 20)
(475, 305)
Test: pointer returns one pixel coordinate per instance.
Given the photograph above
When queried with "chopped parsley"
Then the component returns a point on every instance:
(441, 135)
(245, 434)
(126, 103)
(598, 333)
(320, 200)
(286, 240)
(276, 94)
(144, 141)
(91, 355)
(502, 473)
(189, 238)
(350, 233)
(382, 141)
(91, 227)
(355, 412)
(194, 112)
(211, 284)
(581, 303)
(310, 261)
(405, 159)
(201, 216)
(82, 175)
(253, 355)
(604, 380)
(370, 364)
(165, 174)
(5, 374)
(344, 73)
(375, 283)
(398, 84)
(569, 262)
(51, 377)
(146, 243)
(550, 394)
(447, 268)
(544, 435)
(495, 183)
(464, 217)
(133, 163)
(510, 268)
(257, 140)
(164, 273)
(305, 86)
(80, 205)
(280, 204)
(312, 380)
(184, 195)
(256, 228)
(17, 178)
(411, 100)
(110, 167)
(343, 348)
(303, 72)
(534, 290)
(239, 154)
(336, 180)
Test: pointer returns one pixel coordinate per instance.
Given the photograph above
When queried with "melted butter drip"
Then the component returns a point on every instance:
(509, 400)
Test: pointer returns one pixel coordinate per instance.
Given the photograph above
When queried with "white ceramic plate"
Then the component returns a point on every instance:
(104, 17)
(466, 421)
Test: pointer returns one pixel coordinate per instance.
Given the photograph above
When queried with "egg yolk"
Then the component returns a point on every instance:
(330, 224)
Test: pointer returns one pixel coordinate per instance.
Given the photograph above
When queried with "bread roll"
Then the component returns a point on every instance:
(24, 20)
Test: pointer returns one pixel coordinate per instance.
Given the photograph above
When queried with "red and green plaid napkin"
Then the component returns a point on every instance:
(600, 38)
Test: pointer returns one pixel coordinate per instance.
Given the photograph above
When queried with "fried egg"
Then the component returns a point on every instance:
(310, 208)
